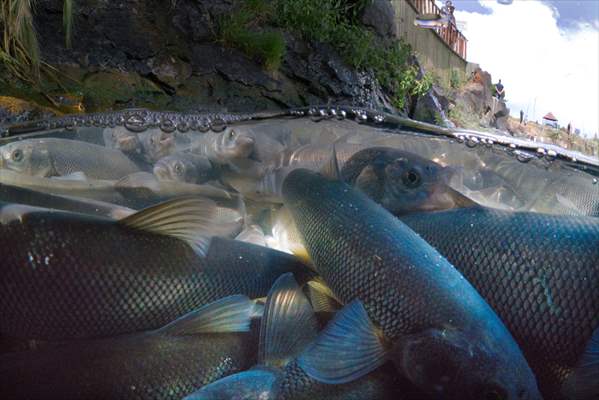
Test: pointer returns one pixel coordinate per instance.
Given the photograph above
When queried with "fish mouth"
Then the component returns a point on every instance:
(161, 172)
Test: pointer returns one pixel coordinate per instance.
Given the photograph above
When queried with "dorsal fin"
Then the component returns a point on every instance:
(288, 324)
(347, 349)
(188, 218)
(229, 314)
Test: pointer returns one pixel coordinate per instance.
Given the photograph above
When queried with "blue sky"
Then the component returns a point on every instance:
(545, 51)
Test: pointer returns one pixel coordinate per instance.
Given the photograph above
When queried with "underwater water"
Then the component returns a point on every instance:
(318, 253)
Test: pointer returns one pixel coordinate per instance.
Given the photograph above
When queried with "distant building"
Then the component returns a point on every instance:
(549, 119)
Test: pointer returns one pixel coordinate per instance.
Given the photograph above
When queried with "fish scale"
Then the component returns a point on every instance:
(539, 272)
(296, 385)
(141, 366)
(407, 288)
(85, 277)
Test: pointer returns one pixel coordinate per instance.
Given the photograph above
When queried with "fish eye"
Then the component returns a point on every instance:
(17, 155)
(411, 178)
(178, 168)
(231, 134)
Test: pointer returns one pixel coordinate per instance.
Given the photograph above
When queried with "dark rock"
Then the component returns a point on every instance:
(163, 54)
(169, 69)
(380, 16)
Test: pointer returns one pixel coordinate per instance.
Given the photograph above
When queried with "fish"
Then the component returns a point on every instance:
(314, 156)
(15, 194)
(122, 139)
(145, 188)
(288, 327)
(436, 329)
(94, 189)
(50, 157)
(223, 147)
(196, 349)
(266, 184)
(184, 167)
(72, 276)
(284, 235)
(539, 272)
(268, 142)
(401, 181)
(156, 144)
(252, 234)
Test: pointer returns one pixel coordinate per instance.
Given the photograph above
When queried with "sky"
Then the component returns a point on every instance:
(546, 53)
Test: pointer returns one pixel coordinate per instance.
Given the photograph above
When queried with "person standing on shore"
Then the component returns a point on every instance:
(499, 91)
(521, 116)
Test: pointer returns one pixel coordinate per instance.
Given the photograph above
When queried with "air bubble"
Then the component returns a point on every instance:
(594, 181)
(460, 138)
(541, 151)
(167, 126)
(218, 125)
(551, 155)
(379, 119)
(342, 114)
(472, 141)
(182, 126)
(513, 146)
(135, 123)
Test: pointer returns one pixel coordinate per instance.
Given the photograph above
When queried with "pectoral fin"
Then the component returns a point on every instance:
(347, 349)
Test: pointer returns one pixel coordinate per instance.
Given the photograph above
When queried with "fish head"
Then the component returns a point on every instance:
(400, 181)
(256, 384)
(28, 158)
(157, 144)
(234, 143)
(126, 141)
(453, 365)
(175, 168)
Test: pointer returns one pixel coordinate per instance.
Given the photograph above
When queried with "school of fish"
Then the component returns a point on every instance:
(293, 259)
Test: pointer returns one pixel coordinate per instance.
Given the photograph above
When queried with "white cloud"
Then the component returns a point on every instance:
(522, 44)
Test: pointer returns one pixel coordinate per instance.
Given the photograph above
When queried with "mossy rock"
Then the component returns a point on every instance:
(110, 90)
(14, 110)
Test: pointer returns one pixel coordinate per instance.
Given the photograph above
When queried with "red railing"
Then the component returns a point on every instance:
(450, 34)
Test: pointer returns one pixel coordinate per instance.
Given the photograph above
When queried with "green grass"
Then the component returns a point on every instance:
(240, 30)
(328, 21)
(19, 47)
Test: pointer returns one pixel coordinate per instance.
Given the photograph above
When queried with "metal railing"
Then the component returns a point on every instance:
(450, 34)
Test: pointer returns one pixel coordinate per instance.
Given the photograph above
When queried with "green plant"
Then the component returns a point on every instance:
(336, 22)
(67, 21)
(19, 48)
(240, 30)
(456, 79)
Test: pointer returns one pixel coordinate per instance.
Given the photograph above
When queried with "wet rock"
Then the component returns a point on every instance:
(14, 110)
(380, 16)
(169, 69)
(109, 89)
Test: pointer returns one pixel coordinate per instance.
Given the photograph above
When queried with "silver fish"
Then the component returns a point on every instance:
(59, 157)
(222, 147)
(184, 167)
